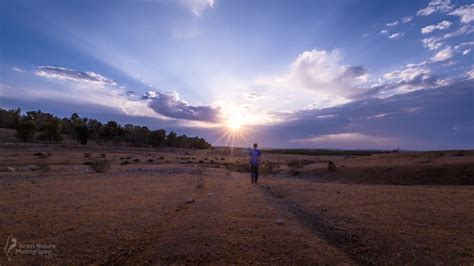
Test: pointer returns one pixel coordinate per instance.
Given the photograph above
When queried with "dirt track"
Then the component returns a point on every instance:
(138, 214)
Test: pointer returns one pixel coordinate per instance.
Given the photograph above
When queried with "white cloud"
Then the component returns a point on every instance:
(443, 55)
(198, 6)
(442, 6)
(392, 24)
(470, 74)
(88, 88)
(434, 43)
(319, 71)
(410, 73)
(17, 69)
(62, 73)
(396, 35)
(440, 26)
(384, 32)
(466, 13)
(407, 19)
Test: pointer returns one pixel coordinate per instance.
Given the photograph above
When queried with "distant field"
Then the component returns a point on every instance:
(324, 152)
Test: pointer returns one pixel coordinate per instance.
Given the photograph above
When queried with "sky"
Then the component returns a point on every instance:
(341, 74)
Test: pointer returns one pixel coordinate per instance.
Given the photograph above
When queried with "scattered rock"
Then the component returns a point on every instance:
(190, 200)
(210, 194)
(280, 221)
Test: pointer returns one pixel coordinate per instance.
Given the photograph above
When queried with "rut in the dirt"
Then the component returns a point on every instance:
(356, 245)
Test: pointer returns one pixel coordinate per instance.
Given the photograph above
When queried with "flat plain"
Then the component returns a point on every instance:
(177, 206)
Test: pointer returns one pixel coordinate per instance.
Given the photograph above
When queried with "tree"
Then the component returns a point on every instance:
(51, 130)
(82, 134)
(157, 138)
(172, 139)
(9, 118)
(26, 130)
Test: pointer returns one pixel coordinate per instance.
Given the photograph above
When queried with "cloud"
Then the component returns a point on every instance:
(415, 120)
(198, 6)
(440, 26)
(409, 73)
(17, 69)
(470, 74)
(407, 19)
(442, 6)
(463, 47)
(169, 105)
(466, 13)
(384, 32)
(434, 43)
(62, 73)
(321, 72)
(392, 24)
(345, 139)
(396, 35)
(443, 55)
(86, 88)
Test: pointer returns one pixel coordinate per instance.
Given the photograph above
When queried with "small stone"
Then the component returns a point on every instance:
(190, 200)
(210, 194)
(280, 221)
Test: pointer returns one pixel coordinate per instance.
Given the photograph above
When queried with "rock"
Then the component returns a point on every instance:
(280, 221)
(210, 194)
(190, 200)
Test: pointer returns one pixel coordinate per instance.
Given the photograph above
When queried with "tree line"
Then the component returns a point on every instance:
(47, 127)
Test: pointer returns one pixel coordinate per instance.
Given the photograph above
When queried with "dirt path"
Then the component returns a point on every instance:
(141, 217)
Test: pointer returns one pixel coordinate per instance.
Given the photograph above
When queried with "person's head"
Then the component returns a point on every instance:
(255, 145)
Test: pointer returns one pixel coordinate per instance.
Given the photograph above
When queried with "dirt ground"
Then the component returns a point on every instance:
(184, 207)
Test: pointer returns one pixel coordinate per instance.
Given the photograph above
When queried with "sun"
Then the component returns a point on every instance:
(234, 124)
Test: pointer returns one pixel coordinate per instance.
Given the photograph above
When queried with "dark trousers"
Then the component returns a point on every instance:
(254, 173)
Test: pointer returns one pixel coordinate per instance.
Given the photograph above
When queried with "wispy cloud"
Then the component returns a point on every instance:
(466, 13)
(87, 87)
(442, 6)
(396, 35)
(434, 43)
(17, 69)
(62, 73)
(407, 19)
(443, 55)
(440, 26)
(197, 7)
(392, 24)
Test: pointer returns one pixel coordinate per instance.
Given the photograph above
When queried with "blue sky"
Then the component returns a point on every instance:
(333, 74)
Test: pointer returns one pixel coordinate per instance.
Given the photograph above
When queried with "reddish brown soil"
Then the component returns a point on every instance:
(138, 213)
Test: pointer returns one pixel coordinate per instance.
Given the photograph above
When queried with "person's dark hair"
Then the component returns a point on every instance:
(255, 145)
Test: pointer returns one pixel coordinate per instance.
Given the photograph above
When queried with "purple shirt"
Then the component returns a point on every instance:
(254, 156)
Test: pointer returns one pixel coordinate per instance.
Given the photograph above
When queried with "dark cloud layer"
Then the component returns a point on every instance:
(171, 106)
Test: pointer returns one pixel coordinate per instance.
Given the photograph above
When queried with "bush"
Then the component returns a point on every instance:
(26, 131)
(87, 155)
(101, 166)
(268, 168)
(296, 167)
(331, 166)
(103, 155)
(124, 163)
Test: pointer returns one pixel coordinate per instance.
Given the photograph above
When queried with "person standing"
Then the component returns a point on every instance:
(254, 159)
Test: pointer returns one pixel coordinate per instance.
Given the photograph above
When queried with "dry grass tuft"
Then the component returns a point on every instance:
(101, 166)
